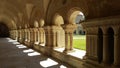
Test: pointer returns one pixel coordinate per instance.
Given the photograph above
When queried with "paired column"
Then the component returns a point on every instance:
(69, 29)
(41, 35)
(68, 42)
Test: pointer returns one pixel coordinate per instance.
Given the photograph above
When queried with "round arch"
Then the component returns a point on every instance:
(41, 22)
(73, 14)
(58, 19)
(10, 23)
(36, 24)
(4, 30)
(110, 50)
(100, 45)
(36, 14)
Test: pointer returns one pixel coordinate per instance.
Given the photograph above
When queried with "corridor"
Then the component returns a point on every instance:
(16, 55)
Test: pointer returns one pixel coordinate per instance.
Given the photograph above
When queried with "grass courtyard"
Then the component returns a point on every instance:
(79, 42)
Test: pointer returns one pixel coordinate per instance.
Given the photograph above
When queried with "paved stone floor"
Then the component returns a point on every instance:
(16, 55)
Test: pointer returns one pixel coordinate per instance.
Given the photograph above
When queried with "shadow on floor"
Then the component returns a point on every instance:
(16, 55)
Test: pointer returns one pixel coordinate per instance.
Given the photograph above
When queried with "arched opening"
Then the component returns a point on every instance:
(36, 32)
(100, 45)
(110, 42)
(41, 32)
(58, 20)
(77, 17)
(76, 37)
(4, 30)
(59, 34)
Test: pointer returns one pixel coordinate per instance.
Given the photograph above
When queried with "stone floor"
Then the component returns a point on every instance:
(16, 55)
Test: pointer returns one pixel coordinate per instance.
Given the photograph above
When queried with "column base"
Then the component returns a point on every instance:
(68, 51)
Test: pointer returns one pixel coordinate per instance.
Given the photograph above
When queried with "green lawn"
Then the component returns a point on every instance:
(79, 42)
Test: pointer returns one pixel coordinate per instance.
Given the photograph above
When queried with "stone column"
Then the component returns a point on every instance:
(116, 46)
(69, 29)
(105, 49)
(54, 38)
(40, 36)
(43, 36)
(31, 37)
(47, 34)
(66, 42)
(116, 50)
(35, 35)
(16, 34)
(71, 41)
(25, 35)
(28, 33)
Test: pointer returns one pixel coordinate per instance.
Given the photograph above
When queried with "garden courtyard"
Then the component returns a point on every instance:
(79, 42)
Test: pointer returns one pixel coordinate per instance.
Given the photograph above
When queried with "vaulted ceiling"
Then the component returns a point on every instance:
(17, 13)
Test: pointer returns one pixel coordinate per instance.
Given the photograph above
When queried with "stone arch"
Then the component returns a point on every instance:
(36, 14)
(110, 33)
(58, 19)
(41, 32)
(36, 24)
(4, 30)
(74, 27)
(73, 13)
(100, 45)
(8, 20)
(41, 22)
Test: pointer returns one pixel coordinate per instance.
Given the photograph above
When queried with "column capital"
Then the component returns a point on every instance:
(116, 29)
(104, 28)
(69, 27)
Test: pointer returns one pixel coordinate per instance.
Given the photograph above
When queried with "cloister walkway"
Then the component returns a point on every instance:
(16, 55)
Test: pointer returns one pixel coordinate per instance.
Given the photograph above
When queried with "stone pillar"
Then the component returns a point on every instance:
(105, 49)
(25, 35)
(66, 42)
(35, 34)
(87, 44)
(71, 41)
(69, 29)
(31, 37)
(36, 40)
(28, 35)
(16, 34)
(116, 46)
(105, 46)
(20, 35)
(116, 50)
(52, 36)
(41, 35)
(47, 35)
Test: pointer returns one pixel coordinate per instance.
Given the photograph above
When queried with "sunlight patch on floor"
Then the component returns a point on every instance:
(10, 40)
(34, 54)
(47, 63)
(15, 43)
(62, 66)
(21, 46)
(28, 50)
